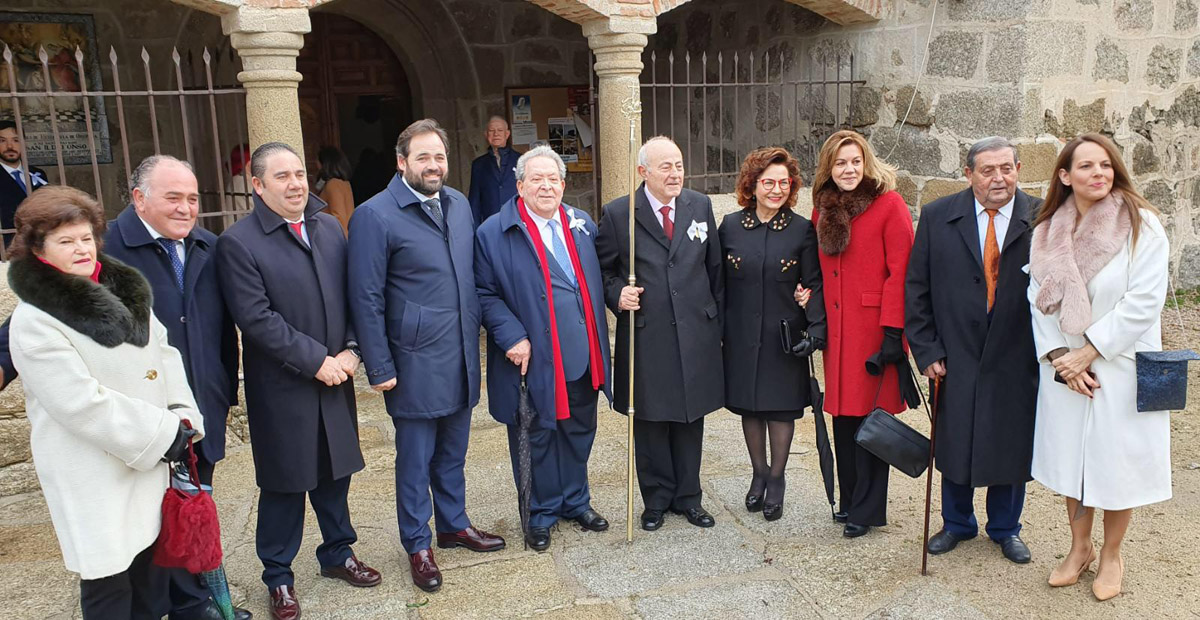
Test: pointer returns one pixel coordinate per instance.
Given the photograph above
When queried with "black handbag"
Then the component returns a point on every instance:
(893, 441)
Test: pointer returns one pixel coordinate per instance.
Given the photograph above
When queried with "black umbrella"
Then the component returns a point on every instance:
(525, 415)
(824, 452)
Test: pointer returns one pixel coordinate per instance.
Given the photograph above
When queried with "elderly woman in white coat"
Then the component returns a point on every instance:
(106, 398)
(1099, 281)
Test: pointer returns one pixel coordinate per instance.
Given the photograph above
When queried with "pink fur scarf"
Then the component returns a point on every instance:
(1065, 257)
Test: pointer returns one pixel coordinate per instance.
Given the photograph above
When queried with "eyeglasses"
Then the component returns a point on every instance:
(769, 184)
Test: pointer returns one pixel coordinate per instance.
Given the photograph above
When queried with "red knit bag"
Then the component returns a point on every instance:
(190, 537)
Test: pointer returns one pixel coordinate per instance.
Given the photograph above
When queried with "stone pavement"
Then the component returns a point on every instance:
(797, 567)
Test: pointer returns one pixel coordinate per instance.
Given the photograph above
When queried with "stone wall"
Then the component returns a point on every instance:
(1038, 71)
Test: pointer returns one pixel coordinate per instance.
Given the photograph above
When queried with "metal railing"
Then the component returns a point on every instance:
(196, 120)
(795, 109)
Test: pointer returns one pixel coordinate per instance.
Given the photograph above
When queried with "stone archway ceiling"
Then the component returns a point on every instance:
(581, 11)
(845, 12)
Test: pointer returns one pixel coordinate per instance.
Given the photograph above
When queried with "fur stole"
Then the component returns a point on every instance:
(1065, 256)
(113, 312)
(836, 209)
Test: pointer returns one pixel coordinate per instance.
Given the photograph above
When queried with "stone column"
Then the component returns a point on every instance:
(268, 42)
(618, 44)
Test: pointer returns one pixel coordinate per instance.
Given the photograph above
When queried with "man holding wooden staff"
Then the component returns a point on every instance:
(678, 377)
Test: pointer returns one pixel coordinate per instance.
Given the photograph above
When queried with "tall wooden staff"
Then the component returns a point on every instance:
(632, 109)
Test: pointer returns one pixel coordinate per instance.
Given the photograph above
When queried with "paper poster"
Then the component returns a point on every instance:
(524, 133)
(564, 138)
(522, 110)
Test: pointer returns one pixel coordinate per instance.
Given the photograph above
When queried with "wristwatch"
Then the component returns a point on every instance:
(352, 347)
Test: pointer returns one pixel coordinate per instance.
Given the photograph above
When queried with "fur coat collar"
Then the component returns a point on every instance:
(1065, 256)
(113, 312)
(836, 209)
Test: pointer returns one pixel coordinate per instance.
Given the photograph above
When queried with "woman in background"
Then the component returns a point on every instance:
(333, 185)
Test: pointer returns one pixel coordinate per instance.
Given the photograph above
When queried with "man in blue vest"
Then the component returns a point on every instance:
(492, 177)
(542, 298)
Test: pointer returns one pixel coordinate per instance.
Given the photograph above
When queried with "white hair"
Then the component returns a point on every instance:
(540, 151)
(642, 158)
(497, 118)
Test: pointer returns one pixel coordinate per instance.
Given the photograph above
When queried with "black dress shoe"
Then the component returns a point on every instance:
(944, 541)
(854, 530)
(538, 538)
(772, 512)
(754, 503)
(652, 519)
(698, 517)
(212, 612)
(1015, 549)
(841, 517)
(591, 521)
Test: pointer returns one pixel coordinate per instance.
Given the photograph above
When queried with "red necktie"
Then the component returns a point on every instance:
(991, 258)
(668, 225)
(297, 228)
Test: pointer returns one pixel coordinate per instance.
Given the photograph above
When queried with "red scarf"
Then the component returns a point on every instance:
(561, 407)
(95, 277)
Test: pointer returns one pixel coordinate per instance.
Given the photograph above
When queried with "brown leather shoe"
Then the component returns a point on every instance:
(471, 538)
(353, 572)
(284, 604)
(425, 573)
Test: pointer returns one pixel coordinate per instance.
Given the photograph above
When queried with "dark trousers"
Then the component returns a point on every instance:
(281, 522)
(137, 593)
(189, 596)
(1004, 505)
(668, 463)
(862, 477)
(559, 458)
(430, 455)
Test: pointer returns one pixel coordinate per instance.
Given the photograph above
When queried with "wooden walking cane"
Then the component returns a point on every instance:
(937, 384)
(632, 109)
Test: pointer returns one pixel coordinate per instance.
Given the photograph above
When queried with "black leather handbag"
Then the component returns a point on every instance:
(893, 441)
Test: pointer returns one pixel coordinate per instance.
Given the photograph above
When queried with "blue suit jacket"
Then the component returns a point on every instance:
(512, 295)
(491, 187)
(412, 298)
(196, 319)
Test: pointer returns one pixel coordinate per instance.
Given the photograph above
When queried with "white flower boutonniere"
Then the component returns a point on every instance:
(577, 223)
(698, 230)
(38, 179)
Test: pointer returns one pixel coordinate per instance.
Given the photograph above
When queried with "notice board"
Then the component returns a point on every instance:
(559, 116)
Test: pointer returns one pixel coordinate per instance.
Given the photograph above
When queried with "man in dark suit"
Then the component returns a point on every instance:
(677, 361)
(15, 183)
(967, 321)
(492, 178)
(412, 295)
(283, 275)
(542, 298)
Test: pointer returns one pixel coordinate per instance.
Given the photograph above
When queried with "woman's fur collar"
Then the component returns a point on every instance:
(836, 209)
(113, 312)
(1064, 257)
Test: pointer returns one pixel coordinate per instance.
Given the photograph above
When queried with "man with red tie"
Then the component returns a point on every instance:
(283, 274)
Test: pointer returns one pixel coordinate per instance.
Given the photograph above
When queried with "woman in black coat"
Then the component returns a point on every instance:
(772, 275)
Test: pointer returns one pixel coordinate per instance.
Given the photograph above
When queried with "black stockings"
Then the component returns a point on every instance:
(769, 478)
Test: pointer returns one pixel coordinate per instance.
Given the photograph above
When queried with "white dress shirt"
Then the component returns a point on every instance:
(9, 170)
(303, 229)
(543, 226)
(656, 205)
(180, 246)
(1002, 219)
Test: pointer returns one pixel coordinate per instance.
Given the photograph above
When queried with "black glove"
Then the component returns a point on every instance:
(179, 447)
(890, 352)
(804, 348)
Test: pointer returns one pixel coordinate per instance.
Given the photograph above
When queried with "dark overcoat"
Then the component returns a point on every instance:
(763, 264)
(196, 319)
(512, 296)
(678, 330)
(412, 296)
(290, 303)
(492, 185)
(988, 398)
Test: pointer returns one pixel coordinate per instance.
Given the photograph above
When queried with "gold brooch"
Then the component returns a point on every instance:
(736, 261)
(788, 263)
(151, 374)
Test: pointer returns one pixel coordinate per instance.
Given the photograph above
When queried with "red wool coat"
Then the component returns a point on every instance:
(864, 292)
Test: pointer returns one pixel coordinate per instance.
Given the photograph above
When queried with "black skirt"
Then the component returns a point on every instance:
(769, 416)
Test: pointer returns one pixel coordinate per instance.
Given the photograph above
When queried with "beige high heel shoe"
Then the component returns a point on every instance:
(1060, 577)
(1105, 591)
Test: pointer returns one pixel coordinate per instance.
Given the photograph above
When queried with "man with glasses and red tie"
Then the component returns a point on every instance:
(677, 325)
(15, 184)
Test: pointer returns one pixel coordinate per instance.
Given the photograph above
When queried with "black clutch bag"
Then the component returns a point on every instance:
(893, 441)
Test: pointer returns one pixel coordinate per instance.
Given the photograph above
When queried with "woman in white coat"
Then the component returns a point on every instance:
(106, 398)
(1099, 267)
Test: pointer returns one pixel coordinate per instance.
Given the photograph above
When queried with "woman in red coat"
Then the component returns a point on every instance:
(864, 234)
